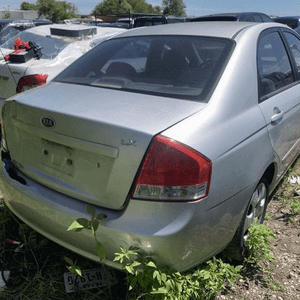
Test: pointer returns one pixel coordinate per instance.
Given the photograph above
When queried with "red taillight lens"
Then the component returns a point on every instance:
(172, 171)
(31, 81)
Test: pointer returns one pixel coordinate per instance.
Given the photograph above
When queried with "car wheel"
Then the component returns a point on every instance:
(254, 214)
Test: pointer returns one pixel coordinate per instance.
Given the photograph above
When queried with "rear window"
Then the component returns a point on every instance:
(170, 66)
(50, 47)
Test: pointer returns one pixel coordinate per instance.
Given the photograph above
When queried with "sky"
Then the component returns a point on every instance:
(194, 7)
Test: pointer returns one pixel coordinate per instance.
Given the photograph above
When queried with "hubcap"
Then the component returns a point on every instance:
(255, 213)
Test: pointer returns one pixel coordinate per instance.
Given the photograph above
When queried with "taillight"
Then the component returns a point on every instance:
(172, 171)
(31, 81)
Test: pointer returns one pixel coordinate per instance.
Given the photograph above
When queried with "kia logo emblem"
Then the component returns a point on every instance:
(48, 122)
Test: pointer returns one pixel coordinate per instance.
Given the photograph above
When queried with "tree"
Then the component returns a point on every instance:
(124, 6)
(28, 6)
(141, 6)
(112, 7)
(174, 7)
(7, 15)
(56, 10)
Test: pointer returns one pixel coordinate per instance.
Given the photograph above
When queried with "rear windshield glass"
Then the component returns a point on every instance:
(50, 47)
(170, 66)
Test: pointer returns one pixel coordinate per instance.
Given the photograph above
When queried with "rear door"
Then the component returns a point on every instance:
(279, 94)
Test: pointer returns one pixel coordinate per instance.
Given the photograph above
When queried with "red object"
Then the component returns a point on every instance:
(12, 242)
(19, 46)
(31, 81)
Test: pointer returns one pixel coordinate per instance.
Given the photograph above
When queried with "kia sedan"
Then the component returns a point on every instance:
(177, 133)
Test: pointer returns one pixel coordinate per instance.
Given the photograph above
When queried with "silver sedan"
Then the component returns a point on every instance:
(177, 133)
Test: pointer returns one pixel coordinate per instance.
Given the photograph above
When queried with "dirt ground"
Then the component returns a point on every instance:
(284, 282)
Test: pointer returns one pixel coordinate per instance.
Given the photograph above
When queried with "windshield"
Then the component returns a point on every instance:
(50, 47)
(171, 66)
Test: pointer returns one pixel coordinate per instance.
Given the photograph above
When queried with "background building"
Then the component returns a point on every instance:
(19, 14)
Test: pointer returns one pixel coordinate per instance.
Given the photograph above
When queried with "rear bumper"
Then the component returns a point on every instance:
(180, 235)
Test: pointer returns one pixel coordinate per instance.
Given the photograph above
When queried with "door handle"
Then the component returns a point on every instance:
(278, 115)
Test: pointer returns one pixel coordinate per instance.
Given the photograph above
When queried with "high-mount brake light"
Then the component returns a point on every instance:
(172, 171)
(31, 81)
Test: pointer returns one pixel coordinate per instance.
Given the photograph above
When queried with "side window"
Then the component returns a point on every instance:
(274, 67)
(265, 18)
(294, 44)
(257, 18)
(248, 19)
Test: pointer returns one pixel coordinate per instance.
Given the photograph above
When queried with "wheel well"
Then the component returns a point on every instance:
(269, 174)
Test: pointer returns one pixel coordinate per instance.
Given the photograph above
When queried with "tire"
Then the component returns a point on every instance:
(254, 214)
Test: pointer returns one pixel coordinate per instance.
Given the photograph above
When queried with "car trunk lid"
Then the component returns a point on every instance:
(87, 142)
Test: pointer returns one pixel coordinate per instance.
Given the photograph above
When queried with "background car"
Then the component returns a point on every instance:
(57, 52)
(293, 22)
(11, 27)
(141, 21)
(242, 17)
(180, 157)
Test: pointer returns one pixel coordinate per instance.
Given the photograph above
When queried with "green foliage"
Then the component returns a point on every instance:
(56, 10)
(267, 217)
(259, 246)
(149, 281)
(174, 7)
(289, 195)
(28, 6)
(276, 286)
(295, 207)
(92, 225)
(7, 15)
(124, 7)
(73, 266)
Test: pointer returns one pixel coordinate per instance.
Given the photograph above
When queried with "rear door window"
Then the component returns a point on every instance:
(248, 19)
(274, 67)
(257, 18)
(294, 44)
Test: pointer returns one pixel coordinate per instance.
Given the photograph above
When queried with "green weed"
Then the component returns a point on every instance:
(148, 281)
(259, 245)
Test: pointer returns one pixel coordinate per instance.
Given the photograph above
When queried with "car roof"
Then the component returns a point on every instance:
(234, 16)
(214, 29)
